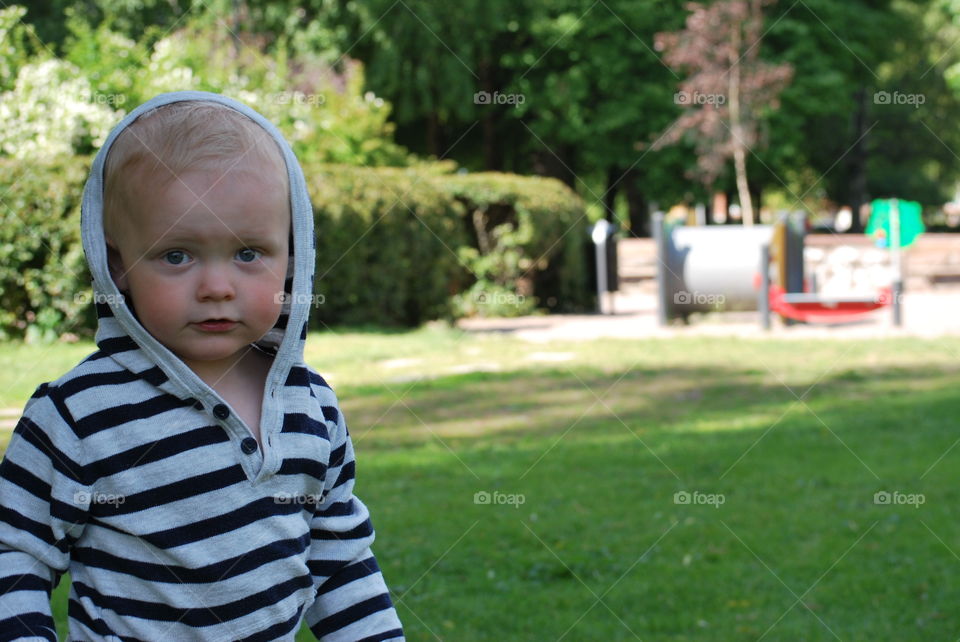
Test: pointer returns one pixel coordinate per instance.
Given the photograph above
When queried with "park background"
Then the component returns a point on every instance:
(669, 487)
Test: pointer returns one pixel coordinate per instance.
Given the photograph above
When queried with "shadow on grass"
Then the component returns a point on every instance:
(367, 328)
(798, 548)
(473, 408)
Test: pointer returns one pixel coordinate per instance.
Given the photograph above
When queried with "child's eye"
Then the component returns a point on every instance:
(176, 257)
(248, 255)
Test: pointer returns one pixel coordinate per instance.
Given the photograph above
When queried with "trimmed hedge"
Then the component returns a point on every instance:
(386, 245)
(395, 246)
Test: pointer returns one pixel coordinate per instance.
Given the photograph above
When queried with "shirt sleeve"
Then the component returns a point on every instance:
(352, 602)
(43, 508)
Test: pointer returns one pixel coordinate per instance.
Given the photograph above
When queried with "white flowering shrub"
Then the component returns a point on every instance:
(168, 68)
(52, 112)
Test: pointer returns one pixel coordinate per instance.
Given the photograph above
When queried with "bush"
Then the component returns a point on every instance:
(45, 286)
(387, 242)
(394, 246)
(526, 249)
(325, 114)
(49, 114)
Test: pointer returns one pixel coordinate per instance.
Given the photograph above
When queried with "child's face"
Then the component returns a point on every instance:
(211, 245)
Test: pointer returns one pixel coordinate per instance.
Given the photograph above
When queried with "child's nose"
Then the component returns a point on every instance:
(215, 283)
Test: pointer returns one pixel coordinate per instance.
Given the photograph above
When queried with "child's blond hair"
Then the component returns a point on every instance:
(179, 137)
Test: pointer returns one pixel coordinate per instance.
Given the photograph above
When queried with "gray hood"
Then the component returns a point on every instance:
(121, 336)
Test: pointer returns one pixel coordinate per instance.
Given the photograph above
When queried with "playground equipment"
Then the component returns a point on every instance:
(706, 268)
(895, 224)
(729, 268)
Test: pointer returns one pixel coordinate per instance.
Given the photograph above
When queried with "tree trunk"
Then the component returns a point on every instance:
(858, 161)
(756, 199)
(637, 205)
(492, 162)
(489, 120)
(736, 131)
(555, 163)
(434, 134)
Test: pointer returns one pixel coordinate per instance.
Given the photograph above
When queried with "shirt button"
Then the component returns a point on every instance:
(248, 446)
(220, 411)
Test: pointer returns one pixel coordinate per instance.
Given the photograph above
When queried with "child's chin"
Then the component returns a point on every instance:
(224, 350)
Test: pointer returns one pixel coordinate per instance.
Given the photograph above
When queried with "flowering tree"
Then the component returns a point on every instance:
(727, 89)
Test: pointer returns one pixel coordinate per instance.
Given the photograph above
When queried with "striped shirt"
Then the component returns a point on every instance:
(141, 481)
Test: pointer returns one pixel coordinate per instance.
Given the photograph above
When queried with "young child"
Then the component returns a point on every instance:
(193, 475)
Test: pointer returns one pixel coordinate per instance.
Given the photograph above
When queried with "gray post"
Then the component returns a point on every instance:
(660, 242)
(599, 235)
(897, 292)
(763, 297)
(897, 255)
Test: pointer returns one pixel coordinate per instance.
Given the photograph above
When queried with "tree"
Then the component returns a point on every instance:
(728, 87)
(581, 79)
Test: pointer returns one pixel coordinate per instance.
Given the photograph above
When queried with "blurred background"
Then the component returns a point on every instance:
(728, 113)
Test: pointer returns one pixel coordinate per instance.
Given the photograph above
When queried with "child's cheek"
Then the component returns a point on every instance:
(160, 301)
(269, 302)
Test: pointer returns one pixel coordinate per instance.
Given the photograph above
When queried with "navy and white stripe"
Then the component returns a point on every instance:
(122, 473)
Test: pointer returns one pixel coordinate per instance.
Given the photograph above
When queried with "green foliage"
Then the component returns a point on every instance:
(52, 107)
(585, 116)
(394, 246)
(575, 64)
(838, 50)
(44, 283)
(527, 236)
(326, 115)
(111, 62)
(15, 40)
(386, 245)
(917, 132)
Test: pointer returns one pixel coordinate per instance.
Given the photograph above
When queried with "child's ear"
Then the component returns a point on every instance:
(115, 261)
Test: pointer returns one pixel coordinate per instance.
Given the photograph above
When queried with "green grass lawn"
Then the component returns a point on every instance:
(781, 445)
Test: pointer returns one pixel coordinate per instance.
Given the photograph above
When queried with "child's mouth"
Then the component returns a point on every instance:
(216, 325)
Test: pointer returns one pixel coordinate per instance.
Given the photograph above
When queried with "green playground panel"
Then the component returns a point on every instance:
(911, 221)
